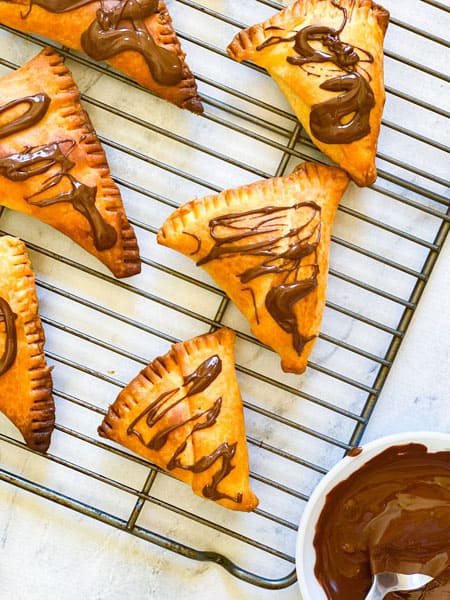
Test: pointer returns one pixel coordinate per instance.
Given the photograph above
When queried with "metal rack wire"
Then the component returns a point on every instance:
(386, 241)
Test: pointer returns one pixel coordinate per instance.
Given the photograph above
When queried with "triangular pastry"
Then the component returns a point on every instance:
(134, 36)
(266, 244)
(25, 380)
(53, 167)
(184, 413)
(327, 58)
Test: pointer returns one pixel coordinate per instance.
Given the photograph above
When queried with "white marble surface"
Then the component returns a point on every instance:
(50, 552)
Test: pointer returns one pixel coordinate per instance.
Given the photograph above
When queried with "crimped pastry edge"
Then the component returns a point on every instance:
(41, 416)
(245, 42)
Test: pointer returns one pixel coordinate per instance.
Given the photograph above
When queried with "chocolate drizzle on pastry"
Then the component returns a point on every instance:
(120, 26)
(36, 160)
(197, 382)
(10, 349)
(37, 107)
(262, 233)
(197, 240)
(393, 514)
(58, 6)
(345, 117)
(123, 28)
(280, 302)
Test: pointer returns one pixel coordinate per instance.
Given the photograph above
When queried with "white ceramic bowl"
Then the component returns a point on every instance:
(305, 553)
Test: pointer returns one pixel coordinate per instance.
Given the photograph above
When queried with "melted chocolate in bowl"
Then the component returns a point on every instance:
(392, 514)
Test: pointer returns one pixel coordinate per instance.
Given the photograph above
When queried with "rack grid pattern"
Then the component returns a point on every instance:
(386, 241)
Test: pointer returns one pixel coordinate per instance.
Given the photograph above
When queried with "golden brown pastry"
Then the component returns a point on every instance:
(134, 36)
(25, 380)
(53, 167)
(267, 244)
(184, 413)
(327, 58)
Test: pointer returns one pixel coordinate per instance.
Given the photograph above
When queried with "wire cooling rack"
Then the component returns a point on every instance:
(101, 331)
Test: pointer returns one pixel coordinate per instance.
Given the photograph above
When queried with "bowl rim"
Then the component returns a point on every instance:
(347, 464)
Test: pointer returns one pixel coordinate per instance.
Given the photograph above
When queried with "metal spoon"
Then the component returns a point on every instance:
(383, 583)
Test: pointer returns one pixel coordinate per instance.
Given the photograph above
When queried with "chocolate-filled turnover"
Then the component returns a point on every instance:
(196, 382)
(263, 233)
(343, 118)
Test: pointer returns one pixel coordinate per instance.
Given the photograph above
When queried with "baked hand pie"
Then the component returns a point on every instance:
(266, 244)
(25, 380)
(327, 58)
(134, 36)
(53, 167)
(184, 413)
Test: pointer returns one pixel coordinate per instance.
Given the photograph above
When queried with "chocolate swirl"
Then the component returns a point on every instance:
(203, 376)
(123, 28)
(328, 119)
(196, 382)
(10, 349)
(263, 233)
(280, 302)
(120, 28)
(37, 107)
(82, 198)
(33, 161)
(345, 117)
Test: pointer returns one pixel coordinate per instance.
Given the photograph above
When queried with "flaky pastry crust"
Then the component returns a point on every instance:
(267, 244)
(62, 140)
(288, 47)
(184, 413)
(67, 28)
(25, 379)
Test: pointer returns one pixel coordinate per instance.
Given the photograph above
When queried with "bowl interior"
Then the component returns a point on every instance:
(305, 553)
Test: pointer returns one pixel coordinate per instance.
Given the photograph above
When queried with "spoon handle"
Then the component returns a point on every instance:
(375, 593)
